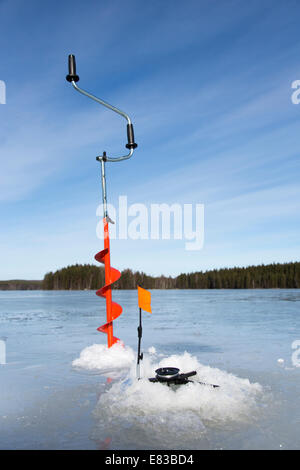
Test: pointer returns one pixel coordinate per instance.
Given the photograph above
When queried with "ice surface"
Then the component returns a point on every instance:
(61, 389)
(171, 414)
(235, 399)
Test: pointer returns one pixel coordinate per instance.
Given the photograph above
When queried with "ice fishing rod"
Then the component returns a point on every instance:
(113, 310)
(140, 355)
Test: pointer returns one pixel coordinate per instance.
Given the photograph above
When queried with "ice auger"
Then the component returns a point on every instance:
(113, 310)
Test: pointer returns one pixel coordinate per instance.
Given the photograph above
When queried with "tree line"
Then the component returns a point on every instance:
(19, 284)
(88, 276)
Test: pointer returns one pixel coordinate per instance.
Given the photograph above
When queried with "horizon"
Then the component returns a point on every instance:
(160, 275)
(209, 88)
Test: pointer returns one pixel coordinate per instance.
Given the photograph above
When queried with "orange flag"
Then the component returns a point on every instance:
(144, 299)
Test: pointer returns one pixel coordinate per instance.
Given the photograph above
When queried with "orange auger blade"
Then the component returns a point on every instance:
(113, 310)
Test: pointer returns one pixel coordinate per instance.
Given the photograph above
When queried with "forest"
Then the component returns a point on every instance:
(19, 284)
(88, 276)
(91, 277)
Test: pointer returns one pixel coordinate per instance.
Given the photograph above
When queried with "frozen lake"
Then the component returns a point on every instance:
(231, 337)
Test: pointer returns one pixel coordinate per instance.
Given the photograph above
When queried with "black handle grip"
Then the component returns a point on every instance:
(72, 65)
(188, 374)
(72, 77)
(130, 137)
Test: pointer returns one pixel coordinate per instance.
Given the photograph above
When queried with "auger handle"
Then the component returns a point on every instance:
(72, 77)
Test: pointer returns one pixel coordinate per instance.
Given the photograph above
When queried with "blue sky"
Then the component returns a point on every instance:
(208, 87)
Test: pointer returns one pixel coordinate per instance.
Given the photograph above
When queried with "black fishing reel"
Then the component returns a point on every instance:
(171, 376)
